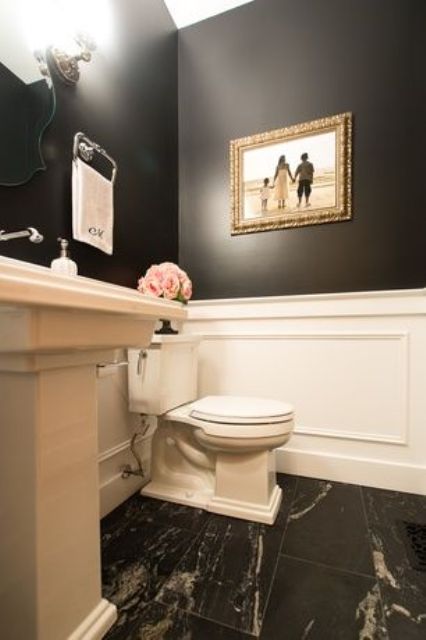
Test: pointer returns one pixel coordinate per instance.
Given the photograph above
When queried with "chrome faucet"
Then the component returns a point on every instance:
(30, 232)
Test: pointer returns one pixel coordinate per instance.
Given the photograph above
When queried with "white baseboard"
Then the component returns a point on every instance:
(371, 473)
(114, 489)
(97, 623)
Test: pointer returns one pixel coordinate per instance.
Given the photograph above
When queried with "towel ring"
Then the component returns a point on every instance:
(85, 148)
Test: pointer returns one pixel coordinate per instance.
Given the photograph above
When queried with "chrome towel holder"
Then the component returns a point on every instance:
(85, 149)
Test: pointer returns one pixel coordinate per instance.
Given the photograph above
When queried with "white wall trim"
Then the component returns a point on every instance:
(113, 451)
(351, 435)
(300, 335)
(343, 295)
(382, 474)
(335, 305)
(97, 623)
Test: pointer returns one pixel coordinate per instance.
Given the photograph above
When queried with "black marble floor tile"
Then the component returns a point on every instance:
(118, 521)
(178, 515)
(226, 576)
(138, 510)
(168, 623)
(288, 485)
(313, 602)
(141, 509)
(403, 588)
(327, 525)
(227, 573)
(136, 564)
(178, 573)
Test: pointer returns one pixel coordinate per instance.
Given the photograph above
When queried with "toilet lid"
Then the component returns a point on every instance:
(241, 410)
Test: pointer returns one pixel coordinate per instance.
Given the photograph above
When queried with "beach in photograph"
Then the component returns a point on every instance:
(323, 196)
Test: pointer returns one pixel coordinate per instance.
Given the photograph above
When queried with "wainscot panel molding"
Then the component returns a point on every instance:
(352, 364)
(114, 489)
(392, 414)
(116, 426)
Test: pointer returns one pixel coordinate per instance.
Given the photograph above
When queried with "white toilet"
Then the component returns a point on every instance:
(216, 453)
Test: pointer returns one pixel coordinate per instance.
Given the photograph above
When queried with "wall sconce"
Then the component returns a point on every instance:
(66, 64)
(61, 29)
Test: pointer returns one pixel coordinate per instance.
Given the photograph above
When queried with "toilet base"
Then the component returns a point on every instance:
(179, 495)
(265, 514)
(225, 479)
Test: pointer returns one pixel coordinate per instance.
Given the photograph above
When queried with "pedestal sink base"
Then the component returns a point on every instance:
(97, 623)
(49, 497)
(53, 331)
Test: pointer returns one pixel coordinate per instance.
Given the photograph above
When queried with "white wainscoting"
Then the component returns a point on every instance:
(116, 426)
(114, 489)
(353, 365)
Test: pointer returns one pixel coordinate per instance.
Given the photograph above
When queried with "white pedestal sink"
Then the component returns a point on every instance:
(54, 330)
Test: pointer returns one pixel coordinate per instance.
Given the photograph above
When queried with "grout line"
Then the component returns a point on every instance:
(367, 524)
(216, 622)
(293, 498)
(329, 566)
(173, 609)
(194, 539)
(370, 543)
(274, 573)
(176, 568)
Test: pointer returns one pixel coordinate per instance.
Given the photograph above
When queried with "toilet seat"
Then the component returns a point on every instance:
(236, 417)
(240, 410)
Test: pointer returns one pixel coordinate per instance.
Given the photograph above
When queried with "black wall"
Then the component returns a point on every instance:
(265, 65)
(126, 100)
(274, 63)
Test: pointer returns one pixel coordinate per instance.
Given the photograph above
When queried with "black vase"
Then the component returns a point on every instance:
(166, 328)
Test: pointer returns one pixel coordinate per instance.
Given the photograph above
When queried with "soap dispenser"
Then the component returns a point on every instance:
(64, 264)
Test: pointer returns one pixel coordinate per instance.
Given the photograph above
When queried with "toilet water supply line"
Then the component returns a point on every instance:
(184, 444)
(127, 470)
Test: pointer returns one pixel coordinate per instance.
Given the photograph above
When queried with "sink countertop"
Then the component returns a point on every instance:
(25, 284)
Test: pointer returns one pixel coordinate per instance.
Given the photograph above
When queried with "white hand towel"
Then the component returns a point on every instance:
(92, 207)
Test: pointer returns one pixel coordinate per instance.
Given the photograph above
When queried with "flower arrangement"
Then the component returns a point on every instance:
(166, 280)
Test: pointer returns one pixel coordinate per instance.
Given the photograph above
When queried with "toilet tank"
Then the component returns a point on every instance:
(164, 375)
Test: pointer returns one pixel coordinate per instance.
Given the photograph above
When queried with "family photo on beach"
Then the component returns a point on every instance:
(292, 177)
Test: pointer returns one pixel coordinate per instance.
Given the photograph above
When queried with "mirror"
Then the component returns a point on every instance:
(27, 99)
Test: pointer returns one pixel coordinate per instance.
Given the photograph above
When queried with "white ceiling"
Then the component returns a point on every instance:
(14, 53)
(16, 45)
(185, 12)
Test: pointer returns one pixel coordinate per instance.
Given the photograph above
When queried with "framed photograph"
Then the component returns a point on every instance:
(292, 177)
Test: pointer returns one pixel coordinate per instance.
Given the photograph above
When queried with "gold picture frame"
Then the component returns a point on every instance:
(298, 192)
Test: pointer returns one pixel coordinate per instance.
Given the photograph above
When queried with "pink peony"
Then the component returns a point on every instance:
(166, 280)
(183, 276)
(186, 289)
(151, 286)
(171, 285)
(154, 272)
